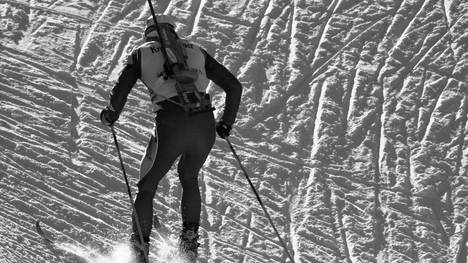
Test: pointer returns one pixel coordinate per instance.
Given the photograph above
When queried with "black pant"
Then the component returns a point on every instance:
(177, 134)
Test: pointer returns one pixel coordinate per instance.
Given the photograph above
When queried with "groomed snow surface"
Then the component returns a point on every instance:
(353, 127)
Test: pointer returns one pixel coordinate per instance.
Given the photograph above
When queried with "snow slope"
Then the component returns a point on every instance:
(353, 125)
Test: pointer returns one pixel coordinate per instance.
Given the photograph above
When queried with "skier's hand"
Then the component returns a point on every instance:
(108, 117)
(223, 129)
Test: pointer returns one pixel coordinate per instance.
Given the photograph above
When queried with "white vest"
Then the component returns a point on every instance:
(152, 70)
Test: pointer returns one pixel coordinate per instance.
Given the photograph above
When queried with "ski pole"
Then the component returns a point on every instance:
(129, 191)
(259, 200)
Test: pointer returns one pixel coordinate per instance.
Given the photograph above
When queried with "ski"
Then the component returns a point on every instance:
(59, 249)
(48, 240)
(165, 247)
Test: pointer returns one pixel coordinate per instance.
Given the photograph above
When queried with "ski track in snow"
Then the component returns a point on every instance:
(353, 126)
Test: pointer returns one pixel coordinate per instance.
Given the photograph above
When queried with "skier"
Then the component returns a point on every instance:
(184, 123)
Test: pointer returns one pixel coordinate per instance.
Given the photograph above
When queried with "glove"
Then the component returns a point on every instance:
(223, 129)
(108, 116)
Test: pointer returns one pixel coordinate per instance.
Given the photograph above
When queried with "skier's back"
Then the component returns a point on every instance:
(185, 124)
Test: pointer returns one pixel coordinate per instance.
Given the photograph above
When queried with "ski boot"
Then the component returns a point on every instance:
(140, 251)
(188, 245)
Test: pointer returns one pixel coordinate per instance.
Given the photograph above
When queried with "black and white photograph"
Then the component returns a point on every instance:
(233, 131)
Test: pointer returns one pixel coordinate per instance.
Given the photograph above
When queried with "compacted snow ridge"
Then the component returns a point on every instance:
(353, 127)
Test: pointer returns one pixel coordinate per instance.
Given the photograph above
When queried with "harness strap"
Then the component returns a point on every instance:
(175, 101)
